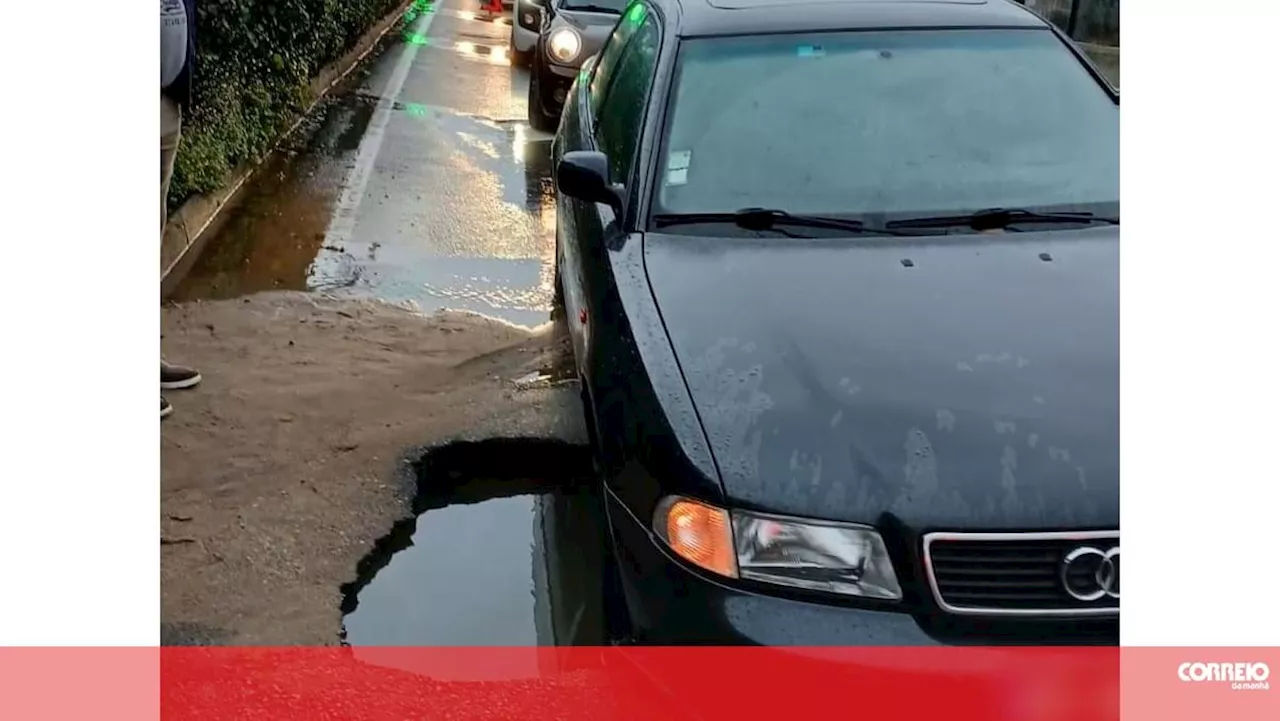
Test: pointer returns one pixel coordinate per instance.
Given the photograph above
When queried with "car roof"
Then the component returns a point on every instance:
(734, 17)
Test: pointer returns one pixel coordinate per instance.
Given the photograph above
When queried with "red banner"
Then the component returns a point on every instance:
(458, 684)
(640, 683)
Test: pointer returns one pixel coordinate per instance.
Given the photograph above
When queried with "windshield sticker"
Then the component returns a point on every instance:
(810, 51)
(678, 167)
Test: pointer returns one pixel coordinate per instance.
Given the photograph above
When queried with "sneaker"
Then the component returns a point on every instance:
(165, 408)
(174, 377)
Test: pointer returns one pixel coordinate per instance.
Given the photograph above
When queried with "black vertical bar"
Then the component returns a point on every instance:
(1074, 19)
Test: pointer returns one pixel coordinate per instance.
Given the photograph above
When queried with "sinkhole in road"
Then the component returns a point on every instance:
(506, 547)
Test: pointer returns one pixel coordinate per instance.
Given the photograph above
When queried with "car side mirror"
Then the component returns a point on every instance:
(584, 174)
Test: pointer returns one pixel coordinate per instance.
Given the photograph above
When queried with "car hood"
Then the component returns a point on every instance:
(602, 22)
(593, 27)
(962, 381)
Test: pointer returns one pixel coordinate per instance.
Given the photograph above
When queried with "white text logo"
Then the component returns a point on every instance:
(1241, 676)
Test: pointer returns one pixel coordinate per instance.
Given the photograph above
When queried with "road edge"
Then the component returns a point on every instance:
(180, 246)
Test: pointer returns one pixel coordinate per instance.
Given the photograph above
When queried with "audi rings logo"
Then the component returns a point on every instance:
(1089, 573)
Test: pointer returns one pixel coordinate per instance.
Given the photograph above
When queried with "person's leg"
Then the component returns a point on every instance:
(171, 376)
(170, 136)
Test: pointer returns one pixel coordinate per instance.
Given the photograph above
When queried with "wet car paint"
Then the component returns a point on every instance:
(960, 382)
(977, 386)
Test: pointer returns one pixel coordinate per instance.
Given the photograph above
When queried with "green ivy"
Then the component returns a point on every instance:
(254, 64)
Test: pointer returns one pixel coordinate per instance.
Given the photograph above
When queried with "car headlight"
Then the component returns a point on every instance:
(564, 45)
(841, 558)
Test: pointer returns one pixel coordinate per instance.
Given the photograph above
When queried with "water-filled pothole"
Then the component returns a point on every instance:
(506, 548)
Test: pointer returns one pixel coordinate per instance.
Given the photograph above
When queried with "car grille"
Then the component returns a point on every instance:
(1011, 573)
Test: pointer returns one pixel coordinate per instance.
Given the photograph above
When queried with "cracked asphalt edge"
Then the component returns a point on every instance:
(295, 455)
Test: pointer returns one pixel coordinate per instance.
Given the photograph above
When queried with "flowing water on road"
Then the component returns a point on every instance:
(421, 182)
(451, 207)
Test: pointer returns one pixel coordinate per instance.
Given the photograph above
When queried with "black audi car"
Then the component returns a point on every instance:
(842, 283)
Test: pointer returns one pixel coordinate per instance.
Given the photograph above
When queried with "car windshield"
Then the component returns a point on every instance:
(888, 124)
(598, 6)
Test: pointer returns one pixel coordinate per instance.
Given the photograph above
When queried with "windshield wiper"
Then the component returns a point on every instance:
(766, 219)
(999, 218)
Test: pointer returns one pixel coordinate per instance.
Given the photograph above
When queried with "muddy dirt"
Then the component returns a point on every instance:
(284, 467)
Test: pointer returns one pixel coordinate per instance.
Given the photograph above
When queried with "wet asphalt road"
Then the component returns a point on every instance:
(421, 182)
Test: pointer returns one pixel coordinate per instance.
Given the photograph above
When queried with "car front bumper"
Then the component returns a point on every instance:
(670, 604)
(554, 82)
(526, 19)
(524, 39)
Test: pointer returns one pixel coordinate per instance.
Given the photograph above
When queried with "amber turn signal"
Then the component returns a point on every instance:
(698, 533)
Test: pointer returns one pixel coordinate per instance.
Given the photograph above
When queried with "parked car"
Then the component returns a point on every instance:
(842, 286)
(526, 21)
(570, 32)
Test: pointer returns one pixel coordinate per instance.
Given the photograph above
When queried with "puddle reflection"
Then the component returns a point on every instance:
(494, 558)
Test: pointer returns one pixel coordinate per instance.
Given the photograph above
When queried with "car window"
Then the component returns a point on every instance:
(609, 54)
(897, 123)
(622, 108)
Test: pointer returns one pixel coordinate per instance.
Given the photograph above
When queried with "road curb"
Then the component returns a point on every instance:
(188, 228)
